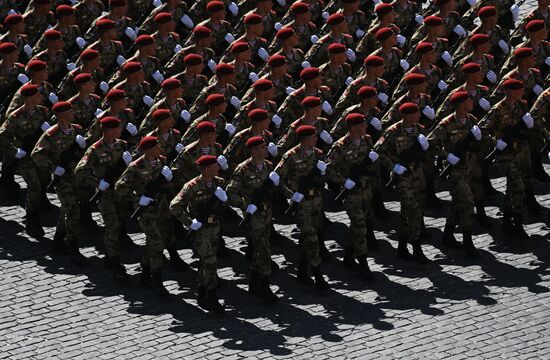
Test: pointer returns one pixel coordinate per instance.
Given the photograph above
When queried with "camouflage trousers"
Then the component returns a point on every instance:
(465, 191)
(516, 164)
(206, 243)
(411, 188)
(112, 213)
(156, 224)
(258, 233)
(308, 219)
(29, 172)
(358, 208)
(69, 213)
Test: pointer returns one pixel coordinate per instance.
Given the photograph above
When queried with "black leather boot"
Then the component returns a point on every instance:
(323, 251)
(488, 188)
(158, 286)
(145, 278)
(303, 275)
(481, 216)
(531, 201)
(364, 270)
(201, 296)
(124, 239)
(7, 179)
(253, 283)
(507, 224)
(107, 262)
(75, 254)
(519, 231)
(471, 251)
(265, 291)
(538, 168)
(448, 238)
(402, 250)
(33, 227)
(86, 220)
(175, 260)
(212, 302)
(320, 282)
(378, 204)
(372, 242)
(119, 271)
(418, 254)
(431, 197)
(58, 243)
(349, 259)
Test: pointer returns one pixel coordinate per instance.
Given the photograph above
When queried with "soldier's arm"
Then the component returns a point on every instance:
(282, 169)
(84, 171)
(180, 204)
(334, 165)
(438, 138)
(7, 134)
(41, 154)
(385, 149)
(125, 185)
(234, 190)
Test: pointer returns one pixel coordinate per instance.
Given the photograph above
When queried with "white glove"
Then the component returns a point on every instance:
(325, 136)
(348, 81)
(251, 209)
(20, 153)
(186, 20)
(104, 87)
(423, 142)
(359, 33)
(179, 147)
(399, 169)
(222, 161)
(383, 97)
(471, 2)
(459, 30)
(195, 225)
(177, 48)
(103, 185)
(253, 77)
(322, 166)
(306, 64)
(167, 173)
(229, 38)
(281, 2)
(45, 126)
(547, 61)
(157, 75)
(53, 98)
(442, 85)
(185, 115)
(350, 54)
(503, 46)
(327, 108)
(277, 26)
(314, 39)
(453, 159)
(429, 112)
(157, 3)
(297, 197)
(28, 50)
(131, 33)
(275, 178)
(220, 194)
(500, 145)
(132, 129)
(537, 89)
(23, 79)
(376, 123)
(230, 128)
(71, 66)
(144, 200)
(447, 58)
(147, 100)
(491, 76)
(476, 131)
(59, 171)
(233, 8)
(263, 54)
(349, 184)
(127, 157)
(325, 15)
(272, 149)
(98, 112)
(276, 119)
(400, 40)
(11, 12)
(289, 90)
(235, 102)
(373, 156)
(120, 60)
(404, 64)
(79, 139)
(211, 65)
(419, 18)
(514, 9)
(80, 42)
(485, 104)
(528, 120)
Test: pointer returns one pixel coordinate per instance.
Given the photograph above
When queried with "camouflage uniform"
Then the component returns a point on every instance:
(199, 106)
(176, 64)
(135, 94)
(17, 101)
(84, 109)
(192, 86)
(108, 54)
(165, 45)
(290, 139)
(147, 124)
(68, 87)
(191, 133)
(57, 64)
(68, 35)
(350, 97)
(292, 109)
(185, 169)
(318, 53)
(335, 78)
(88, 11)
(242, 121)
(294, 60)
(480, 91)
(237, 152)
(126, 116)
(149, 64)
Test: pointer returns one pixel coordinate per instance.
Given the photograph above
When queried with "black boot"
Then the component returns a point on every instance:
(471, 251)
(538, 168)
(86, 221)
(320, 282)
(158, 286)
(175, 260)
(222, 249)
(253, 282)
(119, 271)
(45, 204)
(364, 270)
(275, 237)
(418, 254)
(488, 188)
(303, 275)
(431, 197)
(265, 291)
(212, 302)
(402, 250)
(124, 239)
(145, 278)
(507, 224)
(378, 205)
(531, 201)
(372, 242)
(248, 253)
(107, 262)
(7, 179)
(58, 245)
(323, 251)
(424, 233)
(349, 259)
(519, 231)
(33, 227)
(481, 216)
(201, 297)
(76, 256)
(448, 238)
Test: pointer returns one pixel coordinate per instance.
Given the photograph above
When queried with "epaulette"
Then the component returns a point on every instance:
(52, 130)
(76, 126)
(96, 144)
(96, 97)
(324, 38)
(483, 87)
(175, 34)
(162, 157)
(128, 111)
(180, 101)
(394, 127)
(318, 151)
(489, 56)
(176, 131)
(535, 70)
(324, 88)
(421, 126)
(348, 36)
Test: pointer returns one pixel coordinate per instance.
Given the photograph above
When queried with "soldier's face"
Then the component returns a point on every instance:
(259, 151)
(34, 100)
(305, 17)
(484, 48)
(293, 40)
(264, 124)
(309, 141)
(377, 71)
(491, 21)
(170, 26)
(468, 105)
(211, 170)
(476, 78)
(153, 152)
(41, 75)
(358, 130)
(246, 56)
(314, 111)
(439, 30)
(412, 118)
(115, 133)
(372, 101)
(220, 15)
(19, 28)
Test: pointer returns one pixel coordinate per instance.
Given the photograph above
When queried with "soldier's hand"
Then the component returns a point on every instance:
(229, 38)
(359, 33)
(447, 58)
(297, 197)
(476, 131)
(127, 157)
(348, 81)
(253, 77)
(350, 55)
(211, 65)
(325, 136)
(233, 8)
(514, 9)
(263, 54)
(80, 42)
(404, 64)
(79, 139)
(195, 225)
(459, 30)
(277, 26)
(500, 145)
(235, 102)
(131, 33)
(45, 126)
(491, 76)
(383, 97)
(399, 169)
(185, 115)
(147, 100)
(157, 75)
(349, 184)
(322, 166)
(275, 178)
(423, 142)
(120, 60)
(177, 48)
(272, 149)
(53, 98)
(103, 185)
(453, 159)
(132, 129)
(547, 61)
(23, 79)
(276, 119)
(314, 39)
(306, 64)
(20, 153)
(376, 123)
(186, 20)
(373, 156)
(28, 50)
(281, 2)
(220, 194)
(222, 161)
(471, 2)
(145, 200)
(104, 87)
(59, 171)
(429, 112)
(442, 85)
(503, 46)
(230, 128)
(485, 104)
(400, 40)
(157, 3)
(537, 89)
(71, 66)
(251, 209)
(179, 148)
(419, 18)
(528, 120)
(289, 90)
(327, 108)
(167, 173)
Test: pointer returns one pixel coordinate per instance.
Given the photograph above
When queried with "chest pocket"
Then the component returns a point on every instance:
(350, 156)
(456, 135)
(254, 180)
(104, 158)
(401, 143)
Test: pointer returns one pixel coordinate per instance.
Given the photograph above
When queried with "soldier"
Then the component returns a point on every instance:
(537, 34)
(293, 55)
(87, 11)
(86, 104)
(241, 62)
(100, 167)
(57, 152)
(250, 189)
(172, 101)
(338, 25)
(302, 25)
(403, 146)
(357, 20)
(336, 74)
(178, 9)
(407, 15)
(134, 185)
(434, 31)
(263, 99)
(191, 78)
(216, 107)
(199, 206)
(453, 31)
(277, 73)
(457, 137)
(136, 89)
(386, 16)
(166, 39)
(18, 135)
(69, 31)
(350, 169)
(144, 56)
(301, 172)
(15, 34)
(110, 50)
(202, 46)
(254, 28)
(37, 19)
(90, 65)
(264, 8)
(539, 13)
(123, 25)
(394, 63)
(224, 84)
(219, 27)
(54, 56)
(508, 122)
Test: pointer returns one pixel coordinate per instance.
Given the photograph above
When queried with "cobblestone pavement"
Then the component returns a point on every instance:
(497, 306)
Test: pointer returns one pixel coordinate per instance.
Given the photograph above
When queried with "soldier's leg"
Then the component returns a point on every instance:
(68, 196)
(515, 194)
(7, 178)
(166, 222)
(260, 227)
(208, 268)
(113, 221)
(526, 163)
(476, 186)
(32, 202)
(407, 200)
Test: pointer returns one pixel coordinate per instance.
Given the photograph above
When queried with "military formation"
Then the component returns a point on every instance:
(186, 116)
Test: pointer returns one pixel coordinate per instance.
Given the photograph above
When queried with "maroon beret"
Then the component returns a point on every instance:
(414, 79)
(523, 53)
(305, 130)
(408, 108)
(459, 96)
(206, 127)
(144, 40)
(132, 67)
(206, 160)
(336, 19)
(89, 54)
(255, 141)
(487, 11)
(161, 115)
(285, 33)
(263, 85)
(311, 102)
(366, 92)
(336, 48)
(215, 6)
(253, 19)
(192, 59)
(202, 32)
(64, 10)
(13, 19)
(383, 9)
(7, 48)
(276, 60)
(82, 78)
(36, 65)
(29, 90)
(257, 115)
(224, 69)
(53, 35)
(109, 122)
(424, 48)
(115, 95)
(309, 74)
(355, 119)
(239, 47)
(148, 142)
(479, 39)
(384, 33)
(374, 60)
(534, 25)
(105, 24)
(471, 68)
(512, 84)
(61, 107)
(171, 84)
(215, 100)
(433, 20)
(163, 18)
(299, 7)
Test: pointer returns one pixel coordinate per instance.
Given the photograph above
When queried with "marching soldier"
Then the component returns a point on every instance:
(301, 25)
(87, 11)
(263, 99)
(277, 73)
(394, 63)
(110, 50)
(70, 32)
(201, 46)
(220, 28)
(241, 61)
(254, 27)
(144, 56)
(191, 78)
(166, 39)
(338, 25)
(224, 84)
(336, 74)
(136, 89)
(86, 104)
(216, 107)
(54, 56)
(37, 19)
(288, 49)
(172, 91)
(90, 65)
(15, 34)
(386, 16)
